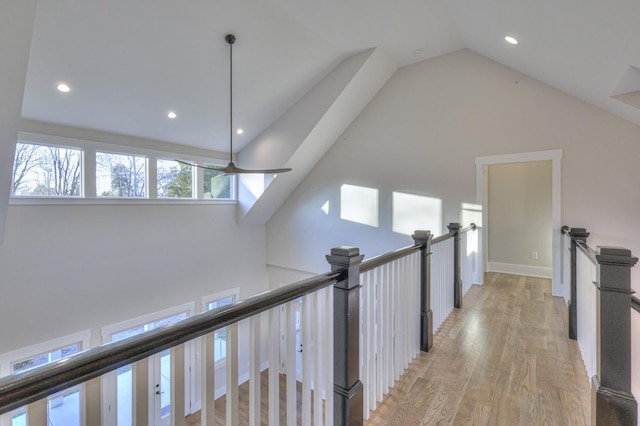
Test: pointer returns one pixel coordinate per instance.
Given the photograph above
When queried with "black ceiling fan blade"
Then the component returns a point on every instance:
(238, 170)
(208, 167)
(232, 169)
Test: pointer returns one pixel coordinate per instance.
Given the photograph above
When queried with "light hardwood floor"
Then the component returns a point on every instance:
(503, 359)
(243, 404)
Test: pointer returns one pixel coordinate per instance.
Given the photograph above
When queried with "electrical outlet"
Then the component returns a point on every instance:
(534, 255)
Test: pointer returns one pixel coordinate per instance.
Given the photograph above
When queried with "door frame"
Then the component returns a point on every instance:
(482, 187)
(109, 390)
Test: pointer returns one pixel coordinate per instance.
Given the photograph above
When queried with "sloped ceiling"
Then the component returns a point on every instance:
(584, 48)
(130, 63)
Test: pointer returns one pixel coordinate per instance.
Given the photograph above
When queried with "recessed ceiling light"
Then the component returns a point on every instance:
(172, 114)
(239, 131)
(64, 88)
(417, 51)
(511, 40)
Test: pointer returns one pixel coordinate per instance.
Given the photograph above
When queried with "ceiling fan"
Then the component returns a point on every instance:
(231, 168)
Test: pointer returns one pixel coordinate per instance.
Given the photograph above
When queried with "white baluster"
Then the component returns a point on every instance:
(254, 370)
(364, 346)
(274, 367)
(291, 365)
(397, 322)
(380, 339)
(329, 355)
(307, 358)
(318, 308)
(232, 375)
(37, 413)
(177, 385)
(140, 379)
(387, 318)
(207, 389)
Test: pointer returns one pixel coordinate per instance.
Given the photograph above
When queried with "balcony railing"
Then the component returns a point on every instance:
(600, 309)
(352, 332)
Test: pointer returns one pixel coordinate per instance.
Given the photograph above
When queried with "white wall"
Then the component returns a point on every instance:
(519, 205)
(16, 27)
(67, 268)
(421, 134)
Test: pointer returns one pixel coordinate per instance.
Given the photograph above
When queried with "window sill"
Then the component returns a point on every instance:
(29, 201)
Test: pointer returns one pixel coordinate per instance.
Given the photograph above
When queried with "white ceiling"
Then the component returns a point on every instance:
(130, 62)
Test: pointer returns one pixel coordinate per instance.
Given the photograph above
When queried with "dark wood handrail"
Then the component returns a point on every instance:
(29, 386)
(635, 303)
(588, 251)
(382, 259)
(452, 234)
(442, 238)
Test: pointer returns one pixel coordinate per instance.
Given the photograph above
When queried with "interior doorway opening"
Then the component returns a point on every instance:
(482, 186)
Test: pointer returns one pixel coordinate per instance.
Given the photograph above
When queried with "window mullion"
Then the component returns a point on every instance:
(89, 172)
(152, 176)
(198, 182)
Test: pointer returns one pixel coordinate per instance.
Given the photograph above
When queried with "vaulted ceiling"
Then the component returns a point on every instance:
(128, 63)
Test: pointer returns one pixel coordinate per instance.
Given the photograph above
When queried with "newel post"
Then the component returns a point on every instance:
(612, 402)
(576, 234)
(457, 280)
(426, 315)
(348, 393)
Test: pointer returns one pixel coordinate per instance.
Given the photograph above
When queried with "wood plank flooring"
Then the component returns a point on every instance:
(243, 404)
(503, 359)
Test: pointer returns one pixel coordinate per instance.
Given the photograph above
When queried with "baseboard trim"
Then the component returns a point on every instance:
(529, 271)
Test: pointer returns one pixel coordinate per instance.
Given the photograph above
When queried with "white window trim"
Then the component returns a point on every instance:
(89, 149)
(109, 330)
(195, 182)
(82, 337)
(108, 380)
(58, 144)
(147, 176)
(205, 300)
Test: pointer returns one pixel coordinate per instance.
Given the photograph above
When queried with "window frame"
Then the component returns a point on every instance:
(194, 181)
(124, 154)
(81, 190)
(109, 380)
(141, 147)
(7, 359)
(232, 185)
(214, 297)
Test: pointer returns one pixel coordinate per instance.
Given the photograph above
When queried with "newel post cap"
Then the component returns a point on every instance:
(421, 237)
(345, 256)
(619, 256)
(454, 226)
(580, 233)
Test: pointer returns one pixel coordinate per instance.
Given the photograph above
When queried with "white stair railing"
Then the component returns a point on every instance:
(442, 277)
(586, 315)
(304, 330)
(390, 339)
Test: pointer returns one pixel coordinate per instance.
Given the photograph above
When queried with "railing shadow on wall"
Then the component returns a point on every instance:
(361, 325)
(600, 308)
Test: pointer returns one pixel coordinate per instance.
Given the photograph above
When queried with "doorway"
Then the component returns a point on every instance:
(555, 156)
(118, 386)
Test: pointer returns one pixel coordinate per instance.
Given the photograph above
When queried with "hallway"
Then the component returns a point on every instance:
(503, 359)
